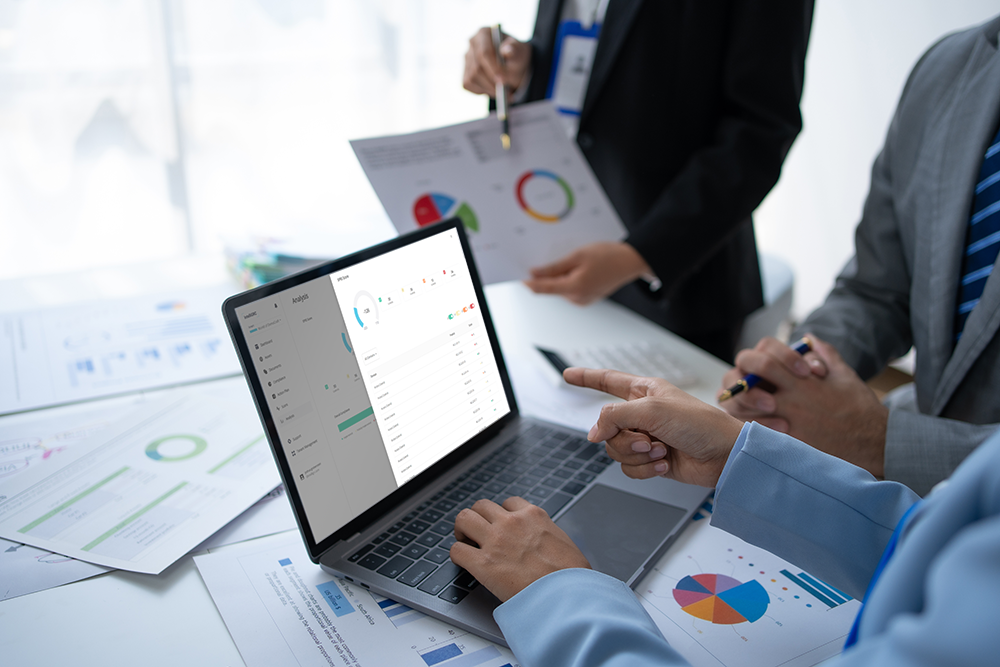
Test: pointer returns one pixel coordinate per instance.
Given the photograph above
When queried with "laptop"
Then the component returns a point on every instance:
(383, 392)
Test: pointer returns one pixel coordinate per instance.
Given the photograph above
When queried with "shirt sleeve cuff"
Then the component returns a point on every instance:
(581, 617)
(737, 448)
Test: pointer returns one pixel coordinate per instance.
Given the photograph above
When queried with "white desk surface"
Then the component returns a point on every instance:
(122, 618)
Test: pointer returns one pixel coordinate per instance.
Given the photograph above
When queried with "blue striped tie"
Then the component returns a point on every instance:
(983, 237)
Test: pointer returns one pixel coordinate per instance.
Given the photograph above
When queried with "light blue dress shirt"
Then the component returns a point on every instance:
(936, 603)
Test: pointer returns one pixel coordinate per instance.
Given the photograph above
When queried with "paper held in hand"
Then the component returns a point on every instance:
(522, 208)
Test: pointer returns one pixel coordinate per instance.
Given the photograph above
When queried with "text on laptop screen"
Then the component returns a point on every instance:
(374, 373)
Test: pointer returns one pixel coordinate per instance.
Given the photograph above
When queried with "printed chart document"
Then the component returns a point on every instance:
(147, 490)
(522, 208)
(282, 609)
(84, 351)
(721, 601)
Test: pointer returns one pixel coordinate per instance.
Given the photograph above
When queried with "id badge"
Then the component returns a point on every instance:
(571, 64)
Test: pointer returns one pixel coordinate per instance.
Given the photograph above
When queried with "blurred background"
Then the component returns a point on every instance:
(133, 130)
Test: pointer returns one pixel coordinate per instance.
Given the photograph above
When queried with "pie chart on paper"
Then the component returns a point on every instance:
(722, 600)
(433, 207)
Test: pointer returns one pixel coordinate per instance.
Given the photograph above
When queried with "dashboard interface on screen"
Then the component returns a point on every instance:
(373, 373)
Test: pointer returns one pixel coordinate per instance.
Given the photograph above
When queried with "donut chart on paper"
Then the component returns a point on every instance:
(197, 446)
(544, 196)
(721, 600)
(433, 207)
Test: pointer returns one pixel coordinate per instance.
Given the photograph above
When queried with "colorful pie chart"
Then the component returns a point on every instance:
(544, 196)
(434, 206)
(722, 600)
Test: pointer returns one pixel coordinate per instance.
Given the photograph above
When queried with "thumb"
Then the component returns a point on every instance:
(557, 268)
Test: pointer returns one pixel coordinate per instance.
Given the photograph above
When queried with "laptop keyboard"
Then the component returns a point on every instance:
(543, 465)
(644, 358)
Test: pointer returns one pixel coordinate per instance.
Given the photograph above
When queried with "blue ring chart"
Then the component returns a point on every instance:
(365, 303)
(153, 448)
(343, 337)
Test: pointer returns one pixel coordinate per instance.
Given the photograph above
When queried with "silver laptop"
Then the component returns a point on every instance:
(383, 392)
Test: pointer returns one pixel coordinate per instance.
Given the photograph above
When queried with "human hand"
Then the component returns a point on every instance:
(659, 430)
(590, 272)
(481, 69)
(507, 548)
(757, 403)
(817, 398)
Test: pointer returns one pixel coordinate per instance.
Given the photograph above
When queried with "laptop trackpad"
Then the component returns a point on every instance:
(617, 531)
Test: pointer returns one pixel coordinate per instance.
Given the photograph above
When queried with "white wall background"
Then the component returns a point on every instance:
(859, 56)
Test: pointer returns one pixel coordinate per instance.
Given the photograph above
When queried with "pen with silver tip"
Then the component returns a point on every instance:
(501, 92)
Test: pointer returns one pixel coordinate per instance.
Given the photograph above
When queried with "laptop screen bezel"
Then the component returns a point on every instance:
(428, 476)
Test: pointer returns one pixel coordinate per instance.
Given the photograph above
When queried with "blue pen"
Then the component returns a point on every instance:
(751, 380)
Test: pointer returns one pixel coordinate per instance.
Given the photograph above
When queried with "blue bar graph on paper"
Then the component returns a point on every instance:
(476, 658)
(386, 603)
(828, 590)
(441, 654)
(401, 609)
(812, 590)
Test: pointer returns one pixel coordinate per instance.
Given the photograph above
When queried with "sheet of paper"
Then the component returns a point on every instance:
(142, 493)
(521, 208)
(772, 613)
(281, 609)
(114, 346)
(269, 515)
(25, 569)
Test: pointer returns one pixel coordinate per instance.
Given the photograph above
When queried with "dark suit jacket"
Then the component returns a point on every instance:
(691, 108)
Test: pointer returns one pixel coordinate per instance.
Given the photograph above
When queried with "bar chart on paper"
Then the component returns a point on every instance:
(282, 609)
(439, 644)
(719, 600)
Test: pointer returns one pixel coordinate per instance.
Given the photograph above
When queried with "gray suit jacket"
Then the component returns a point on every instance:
(900, 288)
(934, 604)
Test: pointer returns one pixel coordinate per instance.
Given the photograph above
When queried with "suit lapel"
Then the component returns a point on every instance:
(614, 32)
(972, 127)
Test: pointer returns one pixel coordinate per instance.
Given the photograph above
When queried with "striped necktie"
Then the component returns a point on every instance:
(982, 238)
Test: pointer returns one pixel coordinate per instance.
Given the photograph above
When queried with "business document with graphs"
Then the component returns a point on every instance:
(373, 373)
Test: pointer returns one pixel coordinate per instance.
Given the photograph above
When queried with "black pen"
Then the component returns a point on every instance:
(750, 380)
(501, 92)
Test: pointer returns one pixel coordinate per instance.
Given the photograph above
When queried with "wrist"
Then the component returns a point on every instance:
(636, 264)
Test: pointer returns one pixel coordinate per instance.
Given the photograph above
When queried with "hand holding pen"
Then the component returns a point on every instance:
(496, 65)
(750, 380)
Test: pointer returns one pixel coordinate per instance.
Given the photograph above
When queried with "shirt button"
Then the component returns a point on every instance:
(585, 140)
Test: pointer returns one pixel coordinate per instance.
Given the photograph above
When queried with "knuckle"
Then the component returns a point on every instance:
(631, 471)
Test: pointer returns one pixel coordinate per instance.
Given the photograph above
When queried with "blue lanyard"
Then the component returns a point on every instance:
(852, 638)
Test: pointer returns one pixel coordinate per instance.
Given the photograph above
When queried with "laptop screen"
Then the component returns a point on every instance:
(373, 373)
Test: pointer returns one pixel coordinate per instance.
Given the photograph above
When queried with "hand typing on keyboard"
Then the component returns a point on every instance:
(507, 548)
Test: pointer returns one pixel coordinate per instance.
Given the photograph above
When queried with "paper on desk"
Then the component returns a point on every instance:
(115, 346)
(281, 609)
(146, 491)
(771, 613)
(521, 208)
(269, 515)
(25, 569)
